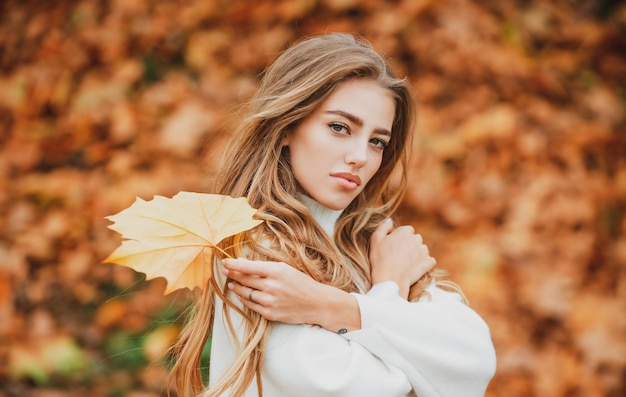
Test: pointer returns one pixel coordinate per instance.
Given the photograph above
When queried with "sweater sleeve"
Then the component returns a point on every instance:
(309, 361)
(441, 344)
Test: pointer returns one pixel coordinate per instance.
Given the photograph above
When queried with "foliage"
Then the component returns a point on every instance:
(518, 180)
(175, 238)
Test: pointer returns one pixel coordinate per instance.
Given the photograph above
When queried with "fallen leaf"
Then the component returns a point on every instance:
(110, 313)
(175, 238)
(157, 343)
(183, 130)
(25, 363)
(37, 361)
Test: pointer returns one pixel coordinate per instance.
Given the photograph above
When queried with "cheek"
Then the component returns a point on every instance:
(373, 167)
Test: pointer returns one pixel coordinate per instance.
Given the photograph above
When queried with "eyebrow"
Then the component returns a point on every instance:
(358, 121)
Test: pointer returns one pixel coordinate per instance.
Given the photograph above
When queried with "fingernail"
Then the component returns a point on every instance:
(225, 271)
(230, 286)
(387, 220)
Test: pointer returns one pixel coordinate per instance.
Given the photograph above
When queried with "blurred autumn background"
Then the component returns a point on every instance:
(518, 181)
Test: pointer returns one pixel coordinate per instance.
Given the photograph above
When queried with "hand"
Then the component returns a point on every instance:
(398, 255)
(280, 292)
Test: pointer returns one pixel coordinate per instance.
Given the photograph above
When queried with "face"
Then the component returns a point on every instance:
(337, 149)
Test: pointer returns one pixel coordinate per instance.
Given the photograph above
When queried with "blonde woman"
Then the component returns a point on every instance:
(328, 297)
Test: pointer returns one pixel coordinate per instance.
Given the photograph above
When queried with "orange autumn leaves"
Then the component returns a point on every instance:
(175, 238)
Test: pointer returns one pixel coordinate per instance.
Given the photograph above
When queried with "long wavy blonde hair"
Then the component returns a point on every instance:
(256, 165)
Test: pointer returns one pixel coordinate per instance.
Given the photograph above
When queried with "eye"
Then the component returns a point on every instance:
(379, 143)
(339, 128)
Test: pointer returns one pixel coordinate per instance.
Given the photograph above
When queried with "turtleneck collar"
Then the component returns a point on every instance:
(325, 216)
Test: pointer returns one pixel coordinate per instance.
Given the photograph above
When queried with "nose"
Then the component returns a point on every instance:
(356, 155)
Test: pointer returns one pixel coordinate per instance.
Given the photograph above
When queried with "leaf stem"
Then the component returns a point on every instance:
(221, 251)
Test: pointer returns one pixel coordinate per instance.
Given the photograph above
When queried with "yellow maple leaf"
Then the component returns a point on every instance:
(175, 238)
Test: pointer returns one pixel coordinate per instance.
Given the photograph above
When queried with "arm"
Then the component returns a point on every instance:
(311, 361)
(441, 344)
(281, 293)
(308, 361)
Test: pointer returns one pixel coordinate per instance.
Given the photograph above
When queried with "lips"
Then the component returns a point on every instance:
(351, 179)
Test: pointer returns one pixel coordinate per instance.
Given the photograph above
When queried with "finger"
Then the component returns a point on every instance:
(246, 266)
(383, 229)
(429, 264)
(247, 280)
(248, 296)
(407, 229)
(433, 261)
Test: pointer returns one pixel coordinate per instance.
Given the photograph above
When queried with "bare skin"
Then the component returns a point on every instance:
(279, 292)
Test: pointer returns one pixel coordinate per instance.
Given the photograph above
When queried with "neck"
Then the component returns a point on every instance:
(325, 216)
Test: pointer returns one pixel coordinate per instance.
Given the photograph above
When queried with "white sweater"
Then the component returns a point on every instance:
(436, 347)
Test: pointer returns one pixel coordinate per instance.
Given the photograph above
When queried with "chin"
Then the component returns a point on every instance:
(336, 205)
(333, 200)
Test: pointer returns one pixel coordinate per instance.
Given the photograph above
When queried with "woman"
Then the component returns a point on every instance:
(328, 298)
